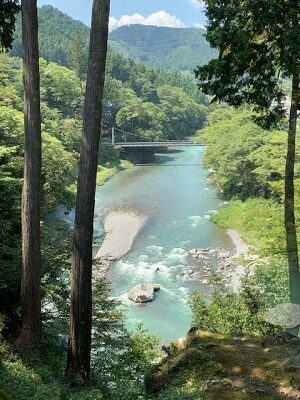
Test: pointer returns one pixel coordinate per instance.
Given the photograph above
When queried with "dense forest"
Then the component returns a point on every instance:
(176, 49)
(250, 172)
(56, 32)
(166, 48)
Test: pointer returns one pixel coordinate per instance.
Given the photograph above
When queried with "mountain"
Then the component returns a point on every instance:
(177, 49)
(57, 32)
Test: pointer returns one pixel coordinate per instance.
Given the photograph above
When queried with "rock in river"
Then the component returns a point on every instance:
(143, 293)
(156, 287)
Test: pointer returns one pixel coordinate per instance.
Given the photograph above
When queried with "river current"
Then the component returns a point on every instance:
(174, 195)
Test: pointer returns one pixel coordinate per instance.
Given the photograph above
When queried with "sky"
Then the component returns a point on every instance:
(172, 13)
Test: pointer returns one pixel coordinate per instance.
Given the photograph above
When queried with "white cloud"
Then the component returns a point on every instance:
(197, 3)
(160, 18)
(125, 20)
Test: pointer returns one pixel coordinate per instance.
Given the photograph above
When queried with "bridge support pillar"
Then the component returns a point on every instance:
(113, 136)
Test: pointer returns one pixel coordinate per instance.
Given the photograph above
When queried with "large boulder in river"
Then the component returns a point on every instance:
(142, 293)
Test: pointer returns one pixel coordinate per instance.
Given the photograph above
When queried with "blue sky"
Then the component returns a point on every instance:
(176, 13)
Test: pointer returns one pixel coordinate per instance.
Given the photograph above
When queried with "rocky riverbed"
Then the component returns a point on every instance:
(123, 226)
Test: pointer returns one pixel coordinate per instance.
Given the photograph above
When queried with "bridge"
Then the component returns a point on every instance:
(119, 138)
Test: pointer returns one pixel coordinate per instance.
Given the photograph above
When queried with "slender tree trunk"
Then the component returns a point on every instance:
(30, 336)
(289, 202)
(79, 348)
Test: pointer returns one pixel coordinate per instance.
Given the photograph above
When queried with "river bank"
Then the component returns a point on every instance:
(107, 171)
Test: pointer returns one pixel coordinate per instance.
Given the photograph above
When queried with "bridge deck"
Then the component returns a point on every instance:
(175, 143)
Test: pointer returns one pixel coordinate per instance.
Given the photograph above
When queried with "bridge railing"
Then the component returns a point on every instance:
(118, 137)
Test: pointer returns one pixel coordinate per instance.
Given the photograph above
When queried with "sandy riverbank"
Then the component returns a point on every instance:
(242, 251)
(241, 247)
(121, 228)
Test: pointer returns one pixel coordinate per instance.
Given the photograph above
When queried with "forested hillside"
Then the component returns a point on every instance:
(62, 39)
(130, 86)
(176, 49)
(248, 165)
(57, 31)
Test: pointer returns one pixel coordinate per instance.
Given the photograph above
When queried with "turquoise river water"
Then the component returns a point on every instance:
(175, 196)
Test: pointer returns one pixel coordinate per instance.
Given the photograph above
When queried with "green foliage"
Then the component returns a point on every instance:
(77, 54)
(246, 161)
(110, 163)
(22, 382)
(243, 312)
(136, 96)
(121, 359)
(69, 48)
(11, 126)
(255, 53)
(38, 382)
(272, 281)
(182, 114)
(160, 47)
(56, 35)
(8, 11)
(225, 313)
(142, 118)
(59, 166)
(130, 88)
(56, 262)
(175, 114)
(61, 88)
(231, 137)
(259, 221)
(58, 173)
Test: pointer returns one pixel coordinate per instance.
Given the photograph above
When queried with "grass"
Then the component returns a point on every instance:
(258, 221)
(106, 172)
(240, 368)
(19, 381)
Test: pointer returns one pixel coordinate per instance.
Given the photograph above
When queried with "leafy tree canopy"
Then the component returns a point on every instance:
(258, 44)
(8, 11)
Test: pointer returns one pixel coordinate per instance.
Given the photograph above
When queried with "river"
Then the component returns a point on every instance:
(175, 196)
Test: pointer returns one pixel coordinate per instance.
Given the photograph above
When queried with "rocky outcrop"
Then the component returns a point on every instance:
(143, 293)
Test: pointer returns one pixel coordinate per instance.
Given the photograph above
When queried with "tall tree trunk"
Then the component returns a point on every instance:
(30, 336)
(289, 202)
(79, 348)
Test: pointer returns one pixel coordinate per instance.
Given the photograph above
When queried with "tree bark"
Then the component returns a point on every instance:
(79, 348)
(289, 202)
(30, 336)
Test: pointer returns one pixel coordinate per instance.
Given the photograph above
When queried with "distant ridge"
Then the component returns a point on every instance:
(177, 49)
(56, 33)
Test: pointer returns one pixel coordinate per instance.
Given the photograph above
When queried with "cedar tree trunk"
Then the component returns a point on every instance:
(30, 336)
(79, 347)
(289, 202)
